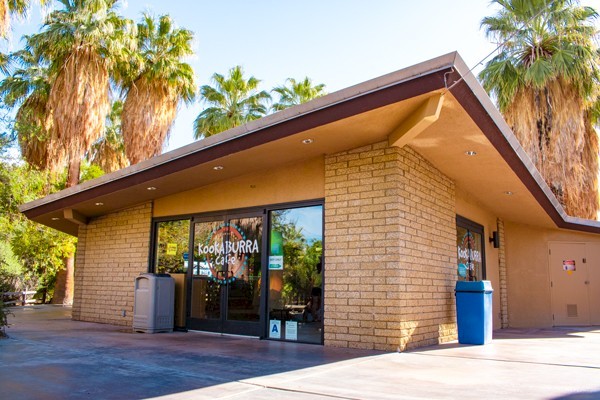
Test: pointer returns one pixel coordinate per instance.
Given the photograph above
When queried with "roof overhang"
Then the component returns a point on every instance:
(411, 107)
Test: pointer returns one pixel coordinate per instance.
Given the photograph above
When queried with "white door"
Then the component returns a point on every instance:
(593, 263)
(569, 283)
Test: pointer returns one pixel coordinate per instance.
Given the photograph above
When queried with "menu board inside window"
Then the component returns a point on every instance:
(470, 250)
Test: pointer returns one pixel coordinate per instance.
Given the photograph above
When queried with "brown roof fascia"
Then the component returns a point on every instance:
(430, 81)
(522, 166)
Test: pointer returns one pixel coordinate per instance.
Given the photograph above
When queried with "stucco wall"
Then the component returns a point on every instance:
(529, 292)
(295, 182)
(390, 239)
(112, 250)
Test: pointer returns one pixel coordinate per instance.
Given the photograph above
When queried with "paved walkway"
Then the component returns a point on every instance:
(48, 356)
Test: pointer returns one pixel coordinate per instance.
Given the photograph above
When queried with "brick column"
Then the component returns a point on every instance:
(390, 250)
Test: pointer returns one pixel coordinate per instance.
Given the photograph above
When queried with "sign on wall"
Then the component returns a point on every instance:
(569, 266)
(227, 246)
(171, 249)
(275, 329)
(276, 254)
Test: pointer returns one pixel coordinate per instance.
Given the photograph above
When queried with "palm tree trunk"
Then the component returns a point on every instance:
(65, 278)
(73, 174)
(65, 283)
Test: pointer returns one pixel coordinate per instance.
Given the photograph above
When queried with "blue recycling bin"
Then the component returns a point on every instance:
(474, 312)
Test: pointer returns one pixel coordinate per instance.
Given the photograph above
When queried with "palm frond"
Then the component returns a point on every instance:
(296, 92)
(159, 81)
(232, 101)
(546, 81)
(81, 42)
(109, 151)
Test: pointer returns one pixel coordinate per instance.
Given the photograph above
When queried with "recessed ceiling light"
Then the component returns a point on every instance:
(471, 153)
(55, 218)
(150, 188)
(508, 193)
(99, 204)
(307, 141)
(218, 167)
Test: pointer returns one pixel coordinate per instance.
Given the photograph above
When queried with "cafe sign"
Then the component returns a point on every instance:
(468, 255)
(227, 251)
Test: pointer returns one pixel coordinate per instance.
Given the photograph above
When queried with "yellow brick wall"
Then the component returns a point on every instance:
(503, 277)
(390, 248)
(112, 250)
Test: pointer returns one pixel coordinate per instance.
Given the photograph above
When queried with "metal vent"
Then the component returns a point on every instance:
(572, 310)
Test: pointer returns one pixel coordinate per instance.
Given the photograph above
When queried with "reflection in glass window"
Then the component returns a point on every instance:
(172, 242)
(469, 244)
(244, 269)
(296, 274)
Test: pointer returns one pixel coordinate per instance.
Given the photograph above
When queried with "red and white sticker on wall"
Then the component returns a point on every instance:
(569, 266)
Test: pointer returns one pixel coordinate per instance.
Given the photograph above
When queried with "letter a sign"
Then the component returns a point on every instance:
(275, 329)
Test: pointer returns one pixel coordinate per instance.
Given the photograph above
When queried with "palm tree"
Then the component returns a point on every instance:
(27, 89)
(156, 87)
(109, 151)
(545, 80)
(233, 101)
(294, 93)
(13, 7)
(82, 43)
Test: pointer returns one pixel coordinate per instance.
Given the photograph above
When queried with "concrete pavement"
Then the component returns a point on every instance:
(48, 356)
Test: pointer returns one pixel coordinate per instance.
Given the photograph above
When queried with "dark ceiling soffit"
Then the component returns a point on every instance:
(356, 105)
(477, 112)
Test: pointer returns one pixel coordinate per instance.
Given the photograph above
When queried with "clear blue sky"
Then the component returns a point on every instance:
(336, 42)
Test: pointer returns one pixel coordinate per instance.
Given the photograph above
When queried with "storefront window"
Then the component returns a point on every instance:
(296, 274)
(233, 275)
(227, 273)
(172, 242)
(471, 250)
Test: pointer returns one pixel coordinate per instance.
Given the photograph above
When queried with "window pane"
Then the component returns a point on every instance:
(470, 254)
(244, 268)
(172, 247)
(295, 274)
(208, 269)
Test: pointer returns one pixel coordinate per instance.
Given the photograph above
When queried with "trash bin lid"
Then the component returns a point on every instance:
(474, 286)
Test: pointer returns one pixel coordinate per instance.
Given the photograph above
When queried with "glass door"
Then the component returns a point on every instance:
(226, 274)
(296, 274)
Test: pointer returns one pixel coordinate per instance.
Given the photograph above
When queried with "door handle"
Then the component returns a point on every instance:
(587, 282)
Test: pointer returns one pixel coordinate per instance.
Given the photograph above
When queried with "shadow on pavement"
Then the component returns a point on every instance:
(50, 356)
(580, 396)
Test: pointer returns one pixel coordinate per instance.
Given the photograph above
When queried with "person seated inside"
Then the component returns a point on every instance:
(313, 306)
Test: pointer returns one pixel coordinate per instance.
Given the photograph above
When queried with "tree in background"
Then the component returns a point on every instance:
(233, 101)
(30, 254)
(82, 43)
(27, 90)
(109, 151)
(158, 81)
(17, 8)
(301, 257)
(545, 80)
(296, 92)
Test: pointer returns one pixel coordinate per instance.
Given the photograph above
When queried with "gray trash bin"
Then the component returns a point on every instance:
(474, 312)
(154, 303)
